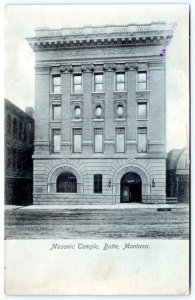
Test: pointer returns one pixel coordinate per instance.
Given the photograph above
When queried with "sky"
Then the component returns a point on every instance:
(19, 60)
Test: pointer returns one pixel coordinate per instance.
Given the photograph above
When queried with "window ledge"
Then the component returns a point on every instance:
(103, 92)
(142, 91)
(75, 93)
(55, 94)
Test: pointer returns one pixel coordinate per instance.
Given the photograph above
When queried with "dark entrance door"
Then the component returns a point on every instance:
(66, 183)
(131, 188)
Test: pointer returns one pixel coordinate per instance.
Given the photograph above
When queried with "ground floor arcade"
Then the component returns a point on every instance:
(99, 181)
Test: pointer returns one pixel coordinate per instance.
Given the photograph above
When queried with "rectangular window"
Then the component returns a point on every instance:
(142, 110)
(56, 112)
(97, 186)
(77, 139)
(120, 82)
(98, 82)
(142, 80)
(77, 83)
(98, 132)
(142, 139)
(56, 140)
(56, 84)
(120, 140)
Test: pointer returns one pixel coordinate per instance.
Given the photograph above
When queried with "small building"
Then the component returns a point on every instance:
(100, 129)
(178, 174)
(19, 138)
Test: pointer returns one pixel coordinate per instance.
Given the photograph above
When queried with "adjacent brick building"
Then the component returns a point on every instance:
(19, 138)
(100, 114)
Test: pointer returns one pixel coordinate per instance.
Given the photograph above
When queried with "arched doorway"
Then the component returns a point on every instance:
(66, 183)
(131, 188)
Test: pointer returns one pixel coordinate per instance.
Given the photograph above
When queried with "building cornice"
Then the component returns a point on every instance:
(100, 37)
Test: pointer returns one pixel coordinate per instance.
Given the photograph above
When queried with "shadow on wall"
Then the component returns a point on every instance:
(18, 191)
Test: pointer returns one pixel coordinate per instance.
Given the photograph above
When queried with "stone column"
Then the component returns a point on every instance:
(66, 114)
(131, 134)
(109, 113)
(87, 134)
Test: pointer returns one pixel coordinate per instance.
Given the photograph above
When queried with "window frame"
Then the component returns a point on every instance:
(115, 82)
(138, 133)
(52, 139)
(52, 112)
(72, 83)
(94, 84)
(52, 83)
(147, 80)
(73, 140)
(101, 129)
(120, 128)
(141, 102)
(95, 180)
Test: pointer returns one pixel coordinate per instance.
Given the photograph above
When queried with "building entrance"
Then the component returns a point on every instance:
(66, 183)
(131, 188)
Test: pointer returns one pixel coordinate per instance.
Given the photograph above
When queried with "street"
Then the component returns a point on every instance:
(134, 223)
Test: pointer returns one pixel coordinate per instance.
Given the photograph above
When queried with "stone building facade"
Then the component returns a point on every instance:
(19, 138)
(100, 114)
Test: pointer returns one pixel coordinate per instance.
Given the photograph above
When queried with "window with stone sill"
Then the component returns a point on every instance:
(98, 140)
(120, 82)
(142, 110)
(56, 140)
(77, 140)
(142, 80)
(56, 112)
(56, 84)
(98, 82)
(120, 140)
(77, 83)
(142, 140)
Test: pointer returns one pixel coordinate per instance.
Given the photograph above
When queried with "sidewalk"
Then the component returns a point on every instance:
(118, 206)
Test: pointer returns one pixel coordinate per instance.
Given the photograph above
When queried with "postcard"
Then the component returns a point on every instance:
(97, 149)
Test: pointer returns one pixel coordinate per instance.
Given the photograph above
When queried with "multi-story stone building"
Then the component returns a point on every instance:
(19, 138)
(100, 114)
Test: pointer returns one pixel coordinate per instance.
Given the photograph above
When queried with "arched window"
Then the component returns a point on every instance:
(66, 183)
